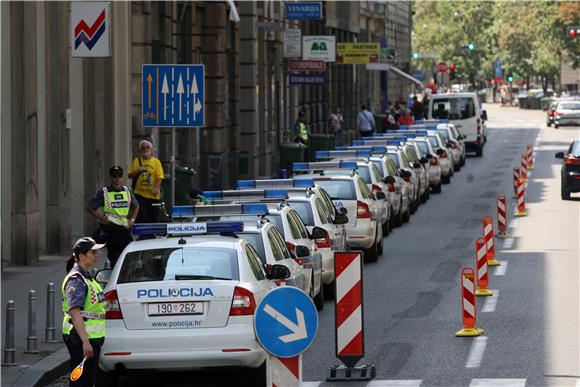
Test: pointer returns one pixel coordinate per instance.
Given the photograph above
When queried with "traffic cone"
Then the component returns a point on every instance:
(524, 168)
(482, 272)
(468, 304)
(516, 178)
(488, 236)
(502, 216)
(521, 200)
(531, 164)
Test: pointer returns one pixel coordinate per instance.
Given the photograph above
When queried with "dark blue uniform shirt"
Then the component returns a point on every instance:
(76, 289)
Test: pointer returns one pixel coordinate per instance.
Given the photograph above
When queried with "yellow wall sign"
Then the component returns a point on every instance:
(357, 53)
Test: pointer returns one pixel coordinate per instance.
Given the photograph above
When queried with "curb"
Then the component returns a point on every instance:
(45, 371)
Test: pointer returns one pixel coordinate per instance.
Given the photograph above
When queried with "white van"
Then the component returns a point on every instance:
(464, 110)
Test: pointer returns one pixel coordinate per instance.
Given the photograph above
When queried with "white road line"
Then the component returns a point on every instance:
(577, 382)
(497, 383)
(513, 223)
(395, 383)
(309, 384)
(476, 353)
(500, 270)
(490, 302)
(508, 243)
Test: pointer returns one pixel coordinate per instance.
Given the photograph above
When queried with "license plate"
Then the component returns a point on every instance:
(175, 308)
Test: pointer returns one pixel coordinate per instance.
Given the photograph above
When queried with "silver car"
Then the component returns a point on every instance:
(567, 113)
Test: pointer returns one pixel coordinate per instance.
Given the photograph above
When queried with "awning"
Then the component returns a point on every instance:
(387, 67)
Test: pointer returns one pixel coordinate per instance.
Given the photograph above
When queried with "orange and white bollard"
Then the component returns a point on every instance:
(468, 305)
(488, 236)
(524, 168)
(516, 178)
(521, 200)
(501, 216)
(531, 164)
(482, 272)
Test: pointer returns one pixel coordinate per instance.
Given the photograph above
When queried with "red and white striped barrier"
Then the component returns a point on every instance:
(524, 168)
(516, 178)
(349, 308)
(286, 371)
(521, 199)
(501, 216)
(482, 272)
(490, 243)
(468, 305)
(530, 160)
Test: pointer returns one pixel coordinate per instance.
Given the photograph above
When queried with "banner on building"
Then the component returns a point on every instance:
(306, 65)
(357, 53)
(292, 43)
(90, 26)
(319, 47)
(306, 78)
(311, 10)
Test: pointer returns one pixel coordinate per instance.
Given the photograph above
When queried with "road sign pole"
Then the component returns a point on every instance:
(173, 152)
(286, 372)
(349, 319)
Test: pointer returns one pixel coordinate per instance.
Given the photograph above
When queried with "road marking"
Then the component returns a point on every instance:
(508, 243)
(578, 380)
(498, 383)
(395, 383)
(490, 302)
(476, 353)
(513, 223)
(500, 270)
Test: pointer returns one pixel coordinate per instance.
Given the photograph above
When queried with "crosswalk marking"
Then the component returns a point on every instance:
(498, 383)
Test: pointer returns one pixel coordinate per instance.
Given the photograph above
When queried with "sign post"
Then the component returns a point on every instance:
(285, 323)
(349, 319)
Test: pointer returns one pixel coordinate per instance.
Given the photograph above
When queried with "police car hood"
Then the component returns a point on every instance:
(194, 303)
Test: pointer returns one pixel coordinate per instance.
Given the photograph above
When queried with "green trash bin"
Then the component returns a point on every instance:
(319, 141)
(291, 153)
(183, 185)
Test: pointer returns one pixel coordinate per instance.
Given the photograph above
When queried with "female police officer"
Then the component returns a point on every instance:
(83, 327)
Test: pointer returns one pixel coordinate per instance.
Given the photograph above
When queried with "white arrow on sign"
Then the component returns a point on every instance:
(298, 331)
(164, 91)
(180, 91)
(194, 92)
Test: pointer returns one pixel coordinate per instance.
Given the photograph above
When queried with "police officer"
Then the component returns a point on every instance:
(83, 326)
(120, 208)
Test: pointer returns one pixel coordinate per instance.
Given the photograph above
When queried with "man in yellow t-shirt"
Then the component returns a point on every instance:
(149, 174)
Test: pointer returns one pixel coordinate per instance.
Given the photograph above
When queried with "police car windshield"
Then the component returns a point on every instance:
(338, 189)
(186, 263)
(444, 133)
(304, 209)
(423, 146)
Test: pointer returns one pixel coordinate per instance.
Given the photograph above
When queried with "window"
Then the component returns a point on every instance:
(275, 246)
(444, 133)
(453, 108)
(304, 210)
(379, 165)
(327, 201)
(280, 239)
(569, 106)
(395, 158)
(325, 217)
(365, 174)
(410, 153)
(338, 189)
(254, 262)
(376, 173)
(405, 160)
(299, 224)
(293, 227)
(433, 141)
(166, 264)
(575, 148)
(255, 239)
(423, 146)
(363, 189)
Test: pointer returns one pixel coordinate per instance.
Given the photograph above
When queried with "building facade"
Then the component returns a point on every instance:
(66, 120)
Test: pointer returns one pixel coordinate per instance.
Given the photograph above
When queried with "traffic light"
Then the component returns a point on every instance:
(452, 71)
(573, 31)
(510, 78)
(415, 55)
(471, 46)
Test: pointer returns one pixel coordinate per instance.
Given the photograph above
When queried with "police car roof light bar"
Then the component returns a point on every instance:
(324, 165)
(341, 153)
(180, 229)
(218, 210)
(250, 193)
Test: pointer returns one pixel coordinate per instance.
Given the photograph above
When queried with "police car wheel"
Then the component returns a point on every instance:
(372, 254)
(406, 216)
(106, 379)
(386, 228)
(319, 299)
(329, 291)
(437, 188)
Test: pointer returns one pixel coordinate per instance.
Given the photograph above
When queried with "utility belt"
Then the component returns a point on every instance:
(89, 315)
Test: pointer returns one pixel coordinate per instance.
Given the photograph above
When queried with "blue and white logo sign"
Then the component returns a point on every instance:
(173, 95)
(311, 10)
(286, 322)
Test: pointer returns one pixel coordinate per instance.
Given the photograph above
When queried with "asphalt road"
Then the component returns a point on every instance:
(412, 294)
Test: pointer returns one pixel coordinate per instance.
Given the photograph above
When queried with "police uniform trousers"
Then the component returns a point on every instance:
(74, 345)
(147, 213)
(117, 238)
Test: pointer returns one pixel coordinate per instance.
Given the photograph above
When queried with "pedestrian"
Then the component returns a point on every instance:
(405, 118)
(147, 174)
(335, 123)
(197, 198)
(397, 110)
(119, 210)
(425, 103)
(300, 131)
(83, 326)
(417, 109)
(365, 122)
(389, 122)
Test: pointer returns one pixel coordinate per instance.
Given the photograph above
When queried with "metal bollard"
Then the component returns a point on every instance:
(32, 339)
(49, 333)
(9, 350)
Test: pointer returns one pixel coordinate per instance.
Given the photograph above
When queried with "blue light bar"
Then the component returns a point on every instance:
(303, 183)
(341, 148)
(358, 142)
(245, 194)
(393, 142)
(299, 166)
(421, 132)
(241, 184)
(218, 210)
(379, 148)
(219, 227)
(149, 229)
(349, 164)
(322, 154)
(440, 121)
(403, 127)
(341, 153)
(431, 126)
(275, 194)
(197, 228)
(324, 165)
(255, 208)
(213, 195)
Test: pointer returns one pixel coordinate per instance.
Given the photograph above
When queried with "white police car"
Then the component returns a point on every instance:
(185, 301)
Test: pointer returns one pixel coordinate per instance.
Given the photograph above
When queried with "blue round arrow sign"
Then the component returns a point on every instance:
(286, 321)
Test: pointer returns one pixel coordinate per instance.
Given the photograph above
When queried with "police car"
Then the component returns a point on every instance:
(363, 229)
(445, 157)
(185, 301)
(456, 143)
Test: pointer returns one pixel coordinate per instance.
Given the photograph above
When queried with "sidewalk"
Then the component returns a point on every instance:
(16, 282)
